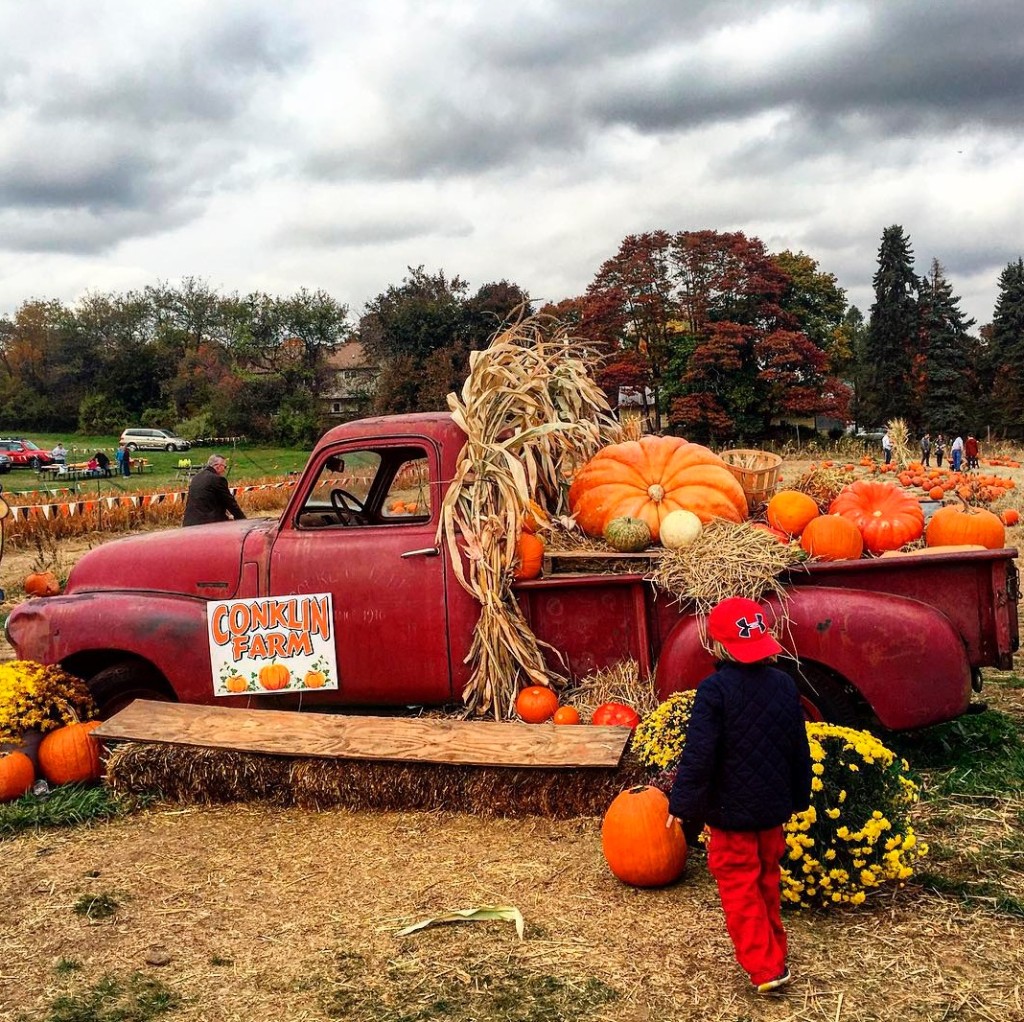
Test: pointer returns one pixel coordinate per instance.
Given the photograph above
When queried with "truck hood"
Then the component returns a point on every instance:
(202, 560)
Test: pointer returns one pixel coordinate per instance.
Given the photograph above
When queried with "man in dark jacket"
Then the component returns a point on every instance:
(745, 770)
(209, 499)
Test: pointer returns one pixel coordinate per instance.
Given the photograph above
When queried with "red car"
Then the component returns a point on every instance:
(24, 453)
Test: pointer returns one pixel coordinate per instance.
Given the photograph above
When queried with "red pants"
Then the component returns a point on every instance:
(746, 866)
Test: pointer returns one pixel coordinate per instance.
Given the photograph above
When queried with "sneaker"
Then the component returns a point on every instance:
(773, 984)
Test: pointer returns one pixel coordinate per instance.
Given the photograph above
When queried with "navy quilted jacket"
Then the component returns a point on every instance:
(746, 764)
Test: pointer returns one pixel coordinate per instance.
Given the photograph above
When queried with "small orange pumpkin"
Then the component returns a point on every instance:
(832, 538)
(566, 715)
(791, 510)
(536, 704)
(42, 583)
(274, 677)
(954, 525)
(71, 754)
(314, 679)
(529, 556)
(16, 775)
(639, 849)
(1011, 516)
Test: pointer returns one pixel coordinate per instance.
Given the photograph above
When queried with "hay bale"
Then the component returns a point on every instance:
(194, 776)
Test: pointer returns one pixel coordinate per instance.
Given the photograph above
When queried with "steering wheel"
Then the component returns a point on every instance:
(348, 507)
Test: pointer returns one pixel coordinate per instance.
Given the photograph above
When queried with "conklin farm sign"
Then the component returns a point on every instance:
(271, 645)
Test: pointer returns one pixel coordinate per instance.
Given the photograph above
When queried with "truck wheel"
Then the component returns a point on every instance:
(826, 696)
(116, 686)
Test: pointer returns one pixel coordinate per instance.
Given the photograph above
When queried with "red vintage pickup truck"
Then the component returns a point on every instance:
(903, 637)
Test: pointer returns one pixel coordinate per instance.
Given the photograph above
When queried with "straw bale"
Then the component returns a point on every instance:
(193, 776)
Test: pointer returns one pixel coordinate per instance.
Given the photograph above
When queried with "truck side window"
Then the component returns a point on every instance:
(387, 486)
(408, 495)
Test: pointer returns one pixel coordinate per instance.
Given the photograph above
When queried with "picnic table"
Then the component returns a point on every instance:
(186, 472)
(69, 473)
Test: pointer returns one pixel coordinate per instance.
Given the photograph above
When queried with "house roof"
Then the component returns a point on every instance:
(350, 355)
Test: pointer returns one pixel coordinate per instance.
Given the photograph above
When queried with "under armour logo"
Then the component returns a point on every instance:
(745, 627)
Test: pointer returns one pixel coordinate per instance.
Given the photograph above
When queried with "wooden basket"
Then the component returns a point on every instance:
(757, 472)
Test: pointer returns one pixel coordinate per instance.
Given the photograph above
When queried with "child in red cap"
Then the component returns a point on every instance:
(745, 770)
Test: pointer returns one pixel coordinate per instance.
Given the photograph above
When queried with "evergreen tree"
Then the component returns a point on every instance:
(948, 368)
(1006, 347)
(893, 337)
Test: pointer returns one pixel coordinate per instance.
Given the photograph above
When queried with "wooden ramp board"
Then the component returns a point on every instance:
(341, 736)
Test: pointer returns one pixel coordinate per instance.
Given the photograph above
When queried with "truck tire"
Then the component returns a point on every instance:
(116, 686)
(825, 695)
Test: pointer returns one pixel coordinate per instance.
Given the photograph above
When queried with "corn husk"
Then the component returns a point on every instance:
(532, 414)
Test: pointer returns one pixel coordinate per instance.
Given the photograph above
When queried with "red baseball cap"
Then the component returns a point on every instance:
(739, 625)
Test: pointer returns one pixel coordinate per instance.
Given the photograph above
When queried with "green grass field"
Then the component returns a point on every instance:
(246, 462)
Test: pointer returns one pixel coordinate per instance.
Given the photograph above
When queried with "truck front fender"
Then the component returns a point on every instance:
(93, 630)
(905, 658)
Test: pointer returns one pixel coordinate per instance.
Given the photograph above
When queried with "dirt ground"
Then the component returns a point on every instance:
(265, 913)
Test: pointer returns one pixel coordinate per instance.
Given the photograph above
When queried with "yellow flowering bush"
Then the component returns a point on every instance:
(36, 697)
(856, 834)
(659, 738)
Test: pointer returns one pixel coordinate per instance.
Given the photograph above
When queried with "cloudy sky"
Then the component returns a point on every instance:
(333, 143)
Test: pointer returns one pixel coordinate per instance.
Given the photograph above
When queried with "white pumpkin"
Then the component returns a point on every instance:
(679, 529)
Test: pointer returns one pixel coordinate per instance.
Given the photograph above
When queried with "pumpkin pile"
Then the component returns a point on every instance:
(44, 700)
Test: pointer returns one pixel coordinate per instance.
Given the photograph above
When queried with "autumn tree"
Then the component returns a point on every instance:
(420, 334)
(752, 361)
(893, 340)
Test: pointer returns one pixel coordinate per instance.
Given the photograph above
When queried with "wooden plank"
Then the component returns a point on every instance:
(571, 560)
(340, 736)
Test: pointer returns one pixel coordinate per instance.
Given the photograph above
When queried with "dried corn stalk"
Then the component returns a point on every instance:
(899, 434)
(531, 413)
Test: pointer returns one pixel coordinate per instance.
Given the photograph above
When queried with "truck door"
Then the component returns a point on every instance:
(364, 531)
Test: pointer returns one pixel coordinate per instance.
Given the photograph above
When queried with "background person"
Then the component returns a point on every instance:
(745, 769)
(124, 460)
(956, 453)
(971, 450)
(59, 453)
(887, 447)
(940, 450)
(209, 499)
(926, 450)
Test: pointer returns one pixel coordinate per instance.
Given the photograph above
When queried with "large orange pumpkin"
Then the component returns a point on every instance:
(651, 477)
(887, 516)
(16, 775)
(274, 677)
(536, 704)
(529, 556)
(956, 524)
(791, 510)
(832, 538)
(639, 849)
(70, 754)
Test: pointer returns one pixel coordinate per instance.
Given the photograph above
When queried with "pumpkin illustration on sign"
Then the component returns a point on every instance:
(274, 677)
(651, 477)
(235, 683)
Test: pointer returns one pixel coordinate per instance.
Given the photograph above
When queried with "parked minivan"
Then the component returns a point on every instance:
(153, 440)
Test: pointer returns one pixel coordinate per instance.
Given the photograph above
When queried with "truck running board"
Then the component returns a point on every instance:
(342, 736)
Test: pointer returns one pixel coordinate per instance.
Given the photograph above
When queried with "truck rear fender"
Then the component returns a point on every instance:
(904, 658)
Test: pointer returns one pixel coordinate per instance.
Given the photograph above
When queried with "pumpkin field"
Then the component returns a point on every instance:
(155, 910)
